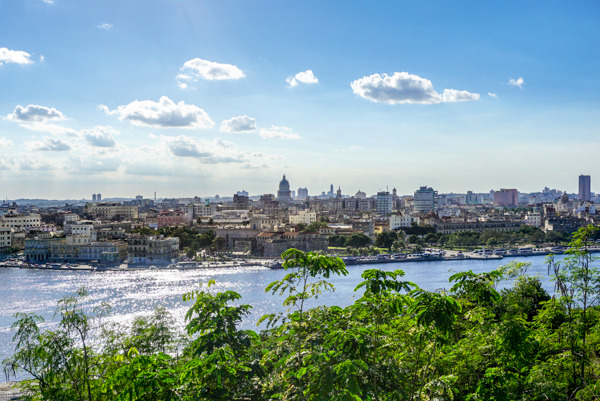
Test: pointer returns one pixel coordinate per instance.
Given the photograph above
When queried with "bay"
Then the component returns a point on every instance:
(138, 292)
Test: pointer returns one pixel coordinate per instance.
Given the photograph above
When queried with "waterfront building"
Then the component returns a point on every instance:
(152, 249)
(5, 238)
(425, 200)
(273, 244)
(585, 193)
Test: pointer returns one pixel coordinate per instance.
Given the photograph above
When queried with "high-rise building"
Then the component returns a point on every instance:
(585, 192)
(94, 197)
(425, 199)
(284, 194)
(240, 202)
(302, 193)
(384, 202)
(506, 197)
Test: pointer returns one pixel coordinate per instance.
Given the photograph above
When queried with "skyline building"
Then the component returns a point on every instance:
(425, 199)
(302, 193)
(384, 202)
(506, 197)
(284, 194)
(585, 192)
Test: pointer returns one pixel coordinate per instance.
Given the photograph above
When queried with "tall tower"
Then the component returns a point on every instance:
(585, 192)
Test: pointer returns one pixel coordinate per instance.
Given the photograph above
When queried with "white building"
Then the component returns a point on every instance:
(110, 210)
(21, 222)
(385, 203)
(5, 237)
(425, 200)
(305, 217)
(533, 219)
(400, 221)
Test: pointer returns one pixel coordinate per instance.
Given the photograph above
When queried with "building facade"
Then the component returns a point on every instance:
(425, 200)
(585, 192)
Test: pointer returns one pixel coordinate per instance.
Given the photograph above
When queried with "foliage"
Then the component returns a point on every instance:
(475, 341)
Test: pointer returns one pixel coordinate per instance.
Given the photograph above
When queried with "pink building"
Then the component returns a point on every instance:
(506, 197)
(168, 218)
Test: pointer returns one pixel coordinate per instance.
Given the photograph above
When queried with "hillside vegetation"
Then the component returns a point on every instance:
(396, 342)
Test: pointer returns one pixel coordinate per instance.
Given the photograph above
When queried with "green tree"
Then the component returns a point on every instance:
(385, 239)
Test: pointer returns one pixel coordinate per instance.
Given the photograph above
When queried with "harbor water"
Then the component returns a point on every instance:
(134, 293)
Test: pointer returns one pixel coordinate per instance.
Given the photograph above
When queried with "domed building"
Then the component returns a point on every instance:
(284, 194)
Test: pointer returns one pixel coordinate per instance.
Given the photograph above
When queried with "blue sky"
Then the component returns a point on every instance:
(210, 97)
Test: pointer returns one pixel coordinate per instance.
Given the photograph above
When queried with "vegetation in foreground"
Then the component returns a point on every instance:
(397, 342)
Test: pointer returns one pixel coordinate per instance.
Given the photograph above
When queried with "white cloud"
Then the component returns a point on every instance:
(491, 94)
(14, 56)
(239, 124)
(516, 82)
(105, 26)
(5, 143)
(198, 68)
(164, 114)
(99, 136)
(304, 77)
(49, 145)
(453, 95)
(35, 113)
(48, 1)
(403, 87)
(210, 152)
(278, 133)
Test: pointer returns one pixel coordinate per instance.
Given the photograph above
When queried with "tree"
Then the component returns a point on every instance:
(314, 227)
(385, 239)
(358, 240)
(578, 282)
(219, 243)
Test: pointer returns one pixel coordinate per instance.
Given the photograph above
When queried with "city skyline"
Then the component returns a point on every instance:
(185, 98)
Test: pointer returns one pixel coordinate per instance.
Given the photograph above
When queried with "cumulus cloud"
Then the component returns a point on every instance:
(239, 124)
(402, 87)
(210, 152)
(14, 56)
(198, 68)
(516, 82)
(304, 77)
(99, 136)
(35, 113)
(491, 94)
(50, 145)
(105, 26)
(164, 114)
(5, 143)
(278, 133)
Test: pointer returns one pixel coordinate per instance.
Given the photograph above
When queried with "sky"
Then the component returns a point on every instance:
(197, 98)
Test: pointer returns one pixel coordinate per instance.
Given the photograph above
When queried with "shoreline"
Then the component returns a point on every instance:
(274, 264)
